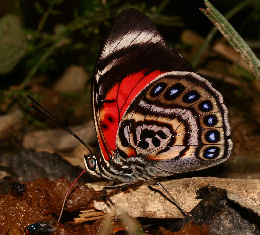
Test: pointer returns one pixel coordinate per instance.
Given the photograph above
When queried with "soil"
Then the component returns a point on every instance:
(40, 202)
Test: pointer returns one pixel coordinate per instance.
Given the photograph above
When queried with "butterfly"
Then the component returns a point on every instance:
(154, 115)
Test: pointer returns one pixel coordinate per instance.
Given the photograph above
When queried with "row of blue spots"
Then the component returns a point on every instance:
(170, 94)
(191, 96)
(211, 152)
(176, 90)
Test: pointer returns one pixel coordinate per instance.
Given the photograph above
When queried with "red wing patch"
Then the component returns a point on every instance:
(115, 104)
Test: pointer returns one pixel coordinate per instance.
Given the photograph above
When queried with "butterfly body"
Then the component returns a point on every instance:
(154, 115)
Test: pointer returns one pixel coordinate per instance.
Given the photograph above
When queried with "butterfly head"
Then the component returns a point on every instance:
(91, 164)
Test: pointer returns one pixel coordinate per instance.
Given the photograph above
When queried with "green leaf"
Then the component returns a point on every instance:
(12, 43)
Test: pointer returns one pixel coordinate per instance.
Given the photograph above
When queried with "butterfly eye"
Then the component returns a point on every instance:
(91, 162)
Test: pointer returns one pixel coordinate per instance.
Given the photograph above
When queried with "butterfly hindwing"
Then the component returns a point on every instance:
(134, 54)
(178, 123)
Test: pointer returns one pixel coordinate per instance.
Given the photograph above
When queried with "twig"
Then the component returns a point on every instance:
(45, 15)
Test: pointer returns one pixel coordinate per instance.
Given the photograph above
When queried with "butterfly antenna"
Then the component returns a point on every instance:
(37, 106)
(47, 114)
(68, 192)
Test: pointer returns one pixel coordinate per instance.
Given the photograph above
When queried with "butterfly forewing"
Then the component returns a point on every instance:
(133, 55)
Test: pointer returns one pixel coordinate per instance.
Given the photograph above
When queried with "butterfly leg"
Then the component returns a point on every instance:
(171, 198)
(117, 188)
(111, 187)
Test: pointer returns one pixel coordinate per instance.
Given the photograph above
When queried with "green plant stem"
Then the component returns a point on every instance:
(232, 37)
(213, 31)
(75, 25)
(162, 6)
(45, 15)
(56, 43)
(39, 62)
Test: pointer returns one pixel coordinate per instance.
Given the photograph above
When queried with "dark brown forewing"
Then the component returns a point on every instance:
(133, 44)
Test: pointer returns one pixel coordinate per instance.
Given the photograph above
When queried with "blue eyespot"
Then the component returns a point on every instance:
(174, 91)
(157, 89)
(212, 136)
(191, 96)
(210, 120)
(211, 152)
(206, 106)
